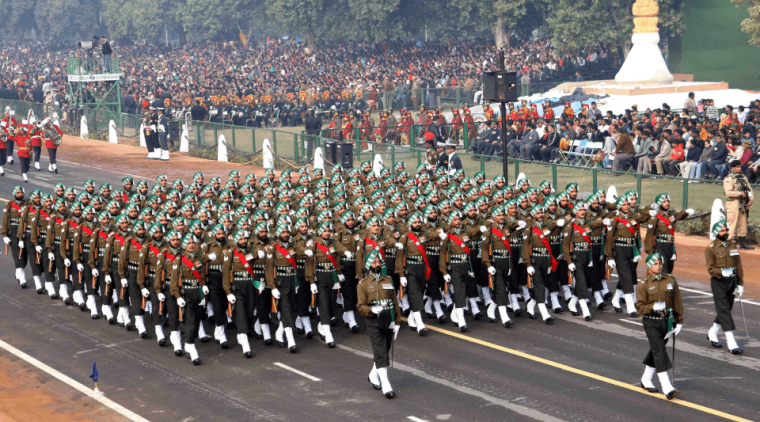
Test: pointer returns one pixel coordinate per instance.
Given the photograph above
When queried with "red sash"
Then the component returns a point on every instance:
(44, 214)
(15, 206)
(548, 247)
(154, 250)
(137, 246)
(416, 241)
(287, 255)
(375, 246)
(170, 257)
(627, 225)
(668, 224)
(73, 224)
(326, 251)
(459, 243)
(191, 265)
(503, 238)
(59, 220)
(104, 235)
(119, 238)
(244, 261)
(581, 231)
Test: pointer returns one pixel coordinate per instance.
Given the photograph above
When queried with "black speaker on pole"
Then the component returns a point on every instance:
(173, 133)
(500, 86)
(345, 154)
(331, 155)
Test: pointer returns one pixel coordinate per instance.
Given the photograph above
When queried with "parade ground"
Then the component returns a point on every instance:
(572, 370)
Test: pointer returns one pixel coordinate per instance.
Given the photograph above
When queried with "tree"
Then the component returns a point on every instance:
(751, 25)
(500, 17)
(311, 18)
(57, 19)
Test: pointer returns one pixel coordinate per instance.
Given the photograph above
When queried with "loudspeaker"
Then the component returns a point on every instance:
(345, 154)
(500, 86)
(331, 153)
(173, 133)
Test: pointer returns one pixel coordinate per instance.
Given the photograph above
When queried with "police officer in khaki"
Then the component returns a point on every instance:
(739, 199)
(378, 304)
(726, 282)
(658, 299)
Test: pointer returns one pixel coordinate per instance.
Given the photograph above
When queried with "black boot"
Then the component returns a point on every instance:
(744, 244)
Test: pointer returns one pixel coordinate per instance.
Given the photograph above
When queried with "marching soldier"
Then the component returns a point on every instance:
(301, 242)
(414, 270)
(238, 277)
(579, 256)
(84, 241)
(212, 253)
(162, 286)
(658, 299)
(661, 230)
(186, 284)
(377, 303)
(28, 217)
(497, 255)
(726, 282)
(738, 201)
(281, 278)
(150, 260)
(261, 250)
(622, 251)
(324, 266)
(348, 236)
(539, 259)
(432, 233)
(97, 261)
(133, 294)
(457, 254)
(71, 234)
(10, 232)
(57, 250)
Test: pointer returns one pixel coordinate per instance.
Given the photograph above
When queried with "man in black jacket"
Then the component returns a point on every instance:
(550, 144)
(437, 131)
(106, 50)
(313, 127)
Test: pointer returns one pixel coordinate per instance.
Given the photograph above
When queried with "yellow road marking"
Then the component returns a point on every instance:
(585, 373)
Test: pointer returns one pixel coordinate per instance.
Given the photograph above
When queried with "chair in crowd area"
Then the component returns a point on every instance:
(586, 154)
(572, 156)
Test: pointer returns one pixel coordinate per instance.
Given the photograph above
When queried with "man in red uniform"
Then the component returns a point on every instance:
(35, 133)
(9, 124)
(348, 129)
(51, 147)
(548, 112)
(24, 147)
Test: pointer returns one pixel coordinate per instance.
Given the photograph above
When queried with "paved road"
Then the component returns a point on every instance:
(572, 370)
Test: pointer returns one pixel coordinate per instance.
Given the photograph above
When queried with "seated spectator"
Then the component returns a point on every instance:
(717, 157)
(624, 151)
(610, 145)
(550, 145)
(663, 151)
(676, 157)
(692, 157)
(696, 170)
(487, 144)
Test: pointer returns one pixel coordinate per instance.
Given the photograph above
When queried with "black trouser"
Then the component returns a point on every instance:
(286, 284)
(192, 313)
(665, 249)
(415, 285)
(390, 266)
(723, 296)
(435, 283)
(263, 301)
(4, 156)
(19, 254)
(37, 153)
(582, 273)
(245, 302)
(658, 354)
(24, 161)
(162, 139)
(326, 295)
(596, 273)
(518, 276)
(541, 265)
(78, 278)
(479, 270)
(216, 297)
(303, 296)
(87, 276)
(626, 268)
(107, 292)
(380, 337)
(553, 280)
(501, 280)
(37, 268)
(58, 265)
(155, 313)
(52, 154)
(11, 144)
(459, 276)
(135, 295)
(171, 310)
(348, 288)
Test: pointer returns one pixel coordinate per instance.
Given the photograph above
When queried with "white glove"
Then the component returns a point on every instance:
(606, 221)
(399, 246)
(38, 249)
(262, 286)
(80, 267)
(521, 225)
(561, 222)
(336, 286)
(349, 254)
(571, 267)
(145, 292)
(677, 330)
(611, 263)
(66, 262)
(396, 329)
(403, 281)
(392, 325)
(314, 289)
(95, 273)
(728, 272)
(471, 274)
(181, 302)
(654, 206)
(308, 252)
(203, 303)
(442, 235)
(690, 211)
(739, 291)
(108, 279)
(341, 278)
(659, 306)
(483, 229)
(275, 293)
(7, 240)
(491, 270)
(212, 256)
(161, 297)
(447, 278)
(21, 244)
(124, 282)
(231, 298)
(637, 258)
(531, 270)
(205, 290)
(377, 309)
(652, 213)
(310, 243)
(261, 254)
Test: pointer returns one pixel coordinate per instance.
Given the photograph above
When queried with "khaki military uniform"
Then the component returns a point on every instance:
(652, 289)
(736, 205)
(378, 291)
(720, 256)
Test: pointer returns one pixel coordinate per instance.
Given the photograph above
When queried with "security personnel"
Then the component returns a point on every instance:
(324, 275)
(10, 232)
(212, 256)
(151, 258)
(240, 283)
(578, 253)
(726, 282)
(186, 284)
(738, 201)
(58, 253)
(540, 261)
(84, 241)
(661, 230)
(378, 304)
(162, 286)
(431, 155)
(658, 299)
(622, 251)
(28, 216)
(129, 263)
(281, 278)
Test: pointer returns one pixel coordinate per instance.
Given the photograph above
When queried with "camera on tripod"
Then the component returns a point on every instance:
(89, 46)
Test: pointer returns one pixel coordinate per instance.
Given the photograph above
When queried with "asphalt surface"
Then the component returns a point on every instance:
(572, 370)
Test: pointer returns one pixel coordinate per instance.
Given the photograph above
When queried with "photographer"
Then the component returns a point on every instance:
(106, 50)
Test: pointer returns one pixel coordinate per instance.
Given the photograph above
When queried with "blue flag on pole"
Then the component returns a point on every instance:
(94, 372)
